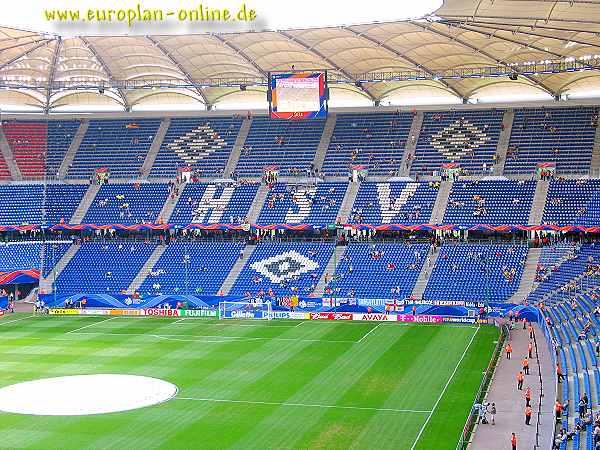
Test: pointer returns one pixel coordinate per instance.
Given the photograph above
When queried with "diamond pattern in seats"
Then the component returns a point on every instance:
(197, 144)
(458, 139)
(285, 266)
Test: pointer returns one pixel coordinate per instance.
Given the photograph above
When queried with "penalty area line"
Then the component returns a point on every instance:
(304, 405)
(17, 320)
(91, 325)
(444, 390)
(368, 333)
(203, 338)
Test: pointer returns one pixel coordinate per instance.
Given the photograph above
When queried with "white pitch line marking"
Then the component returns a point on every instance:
(368, 333)
(228, 324)
(16, 320)
(299, 324)
(200, 337)
(91, 325)
(444, 390)
(303, 405)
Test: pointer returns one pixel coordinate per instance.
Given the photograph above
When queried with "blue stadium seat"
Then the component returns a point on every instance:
(127, 204)
(396, 270)
(300, 139)
(199, 142)
(98, 267)
(376, 140)
(284, 267)
(476, 272)
(468, 138)
(405, 203)
(209, 265)
(213, 203)
(316, 205)
(119, 145)
(490, 202)
(561, 135)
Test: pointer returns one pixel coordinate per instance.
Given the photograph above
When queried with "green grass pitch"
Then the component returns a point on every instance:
(252, 384)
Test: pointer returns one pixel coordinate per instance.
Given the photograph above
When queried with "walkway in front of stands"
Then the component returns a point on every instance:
(510, 402)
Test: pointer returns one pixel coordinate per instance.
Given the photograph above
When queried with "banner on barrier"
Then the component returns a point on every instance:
(380, 317)
(460, 319)
(125, 312)
(161, 312)
(331, 316)
(95, 312)
(243, 314)
(198, 312)
(64, 312)
(419, 319)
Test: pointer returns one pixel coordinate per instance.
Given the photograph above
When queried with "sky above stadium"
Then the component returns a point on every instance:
(93, 17)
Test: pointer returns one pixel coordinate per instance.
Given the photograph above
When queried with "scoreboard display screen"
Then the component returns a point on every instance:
(298, 95)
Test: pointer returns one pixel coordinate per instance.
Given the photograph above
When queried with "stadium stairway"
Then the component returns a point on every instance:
(528, 277)
(236, 151)
(146, 269)
(46, 282)
(411, 144)
(7, 154)
(348, 202)
(595, 166)
(510, 403)
(236, 269)
(258, 203)
(167, 210)
(423, 278)
(154, 148)
(329, 269)
(503, 140)
(539, 202)
(85, 204)
(324, 142)
(441, 202)
(72, 150)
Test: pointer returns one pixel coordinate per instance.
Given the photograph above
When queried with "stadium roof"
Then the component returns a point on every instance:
(465, 50)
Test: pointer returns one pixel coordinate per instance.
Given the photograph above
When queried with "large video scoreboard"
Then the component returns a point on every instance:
(298, 95)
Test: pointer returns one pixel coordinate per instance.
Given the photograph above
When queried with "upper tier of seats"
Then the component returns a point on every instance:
(201, 143)
(213, 203)
(39, 146)
(120, 145)
(317, 205)
(573, 203)
(394, 266)
(19, 256)
(468, 138)
(208, 264)
(406, 203)
(375, 140)
(28, 142)
(127, 204)
(561, 135)
(60, 135)
(284, 267)
(476, 272)
(490, 202)
(99, 268)
(287, 144)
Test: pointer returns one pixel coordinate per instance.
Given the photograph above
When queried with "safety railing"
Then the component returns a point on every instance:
(474, 415)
